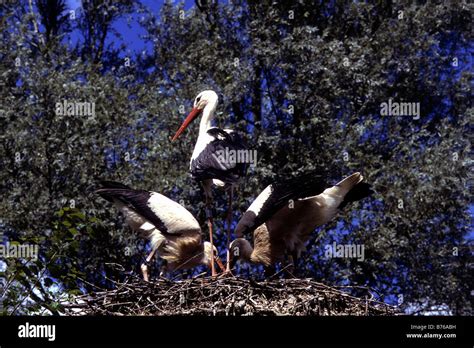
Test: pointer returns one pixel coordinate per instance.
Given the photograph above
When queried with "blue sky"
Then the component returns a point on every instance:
(132, 31)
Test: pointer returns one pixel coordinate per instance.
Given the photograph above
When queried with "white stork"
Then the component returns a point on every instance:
(285, 214)
(208, 164)
(173, 231)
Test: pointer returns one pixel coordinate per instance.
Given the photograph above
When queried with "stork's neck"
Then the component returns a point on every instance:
(207, 117)
(247, 252)
(205, 259)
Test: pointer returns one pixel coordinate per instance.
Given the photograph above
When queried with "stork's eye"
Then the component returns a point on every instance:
(198, 99)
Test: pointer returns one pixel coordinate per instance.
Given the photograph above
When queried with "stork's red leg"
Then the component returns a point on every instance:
(209, 226)
(229, 225)
(211, 240)
(144, 266)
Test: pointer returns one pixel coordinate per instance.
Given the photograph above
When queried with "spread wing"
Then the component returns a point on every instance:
(277, 195)
(165, 214)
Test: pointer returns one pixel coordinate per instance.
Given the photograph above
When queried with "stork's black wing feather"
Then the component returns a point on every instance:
(358, 192)
(281, 192)
(214, 162)
(113, 184)
(218, 132)
(136, 200)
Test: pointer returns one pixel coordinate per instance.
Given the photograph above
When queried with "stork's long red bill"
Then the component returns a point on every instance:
(192, 115)
(220, 264)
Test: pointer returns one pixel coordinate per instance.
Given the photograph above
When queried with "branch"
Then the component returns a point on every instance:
(35, 25)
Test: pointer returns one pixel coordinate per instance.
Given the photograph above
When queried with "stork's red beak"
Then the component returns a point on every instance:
(192, 115)
(220, 264)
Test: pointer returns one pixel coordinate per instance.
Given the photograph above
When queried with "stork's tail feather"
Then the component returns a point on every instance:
(346, 184)
(105, 188)
(112, 184)
(358, 192)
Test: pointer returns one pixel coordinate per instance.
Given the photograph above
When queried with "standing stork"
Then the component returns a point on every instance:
(209, 164)
(285, 214)
(173, 231)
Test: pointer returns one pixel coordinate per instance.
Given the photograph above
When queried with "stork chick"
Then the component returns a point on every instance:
(173, 231)
(281, 228)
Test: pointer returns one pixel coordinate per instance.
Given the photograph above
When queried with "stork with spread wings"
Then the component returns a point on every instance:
(285, 214)
(173, 231)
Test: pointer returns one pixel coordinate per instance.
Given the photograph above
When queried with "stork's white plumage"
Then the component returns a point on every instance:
(284, 215)
(173, 231)
(207, 164)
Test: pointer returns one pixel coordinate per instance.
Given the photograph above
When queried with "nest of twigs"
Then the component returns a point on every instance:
(227, 296)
